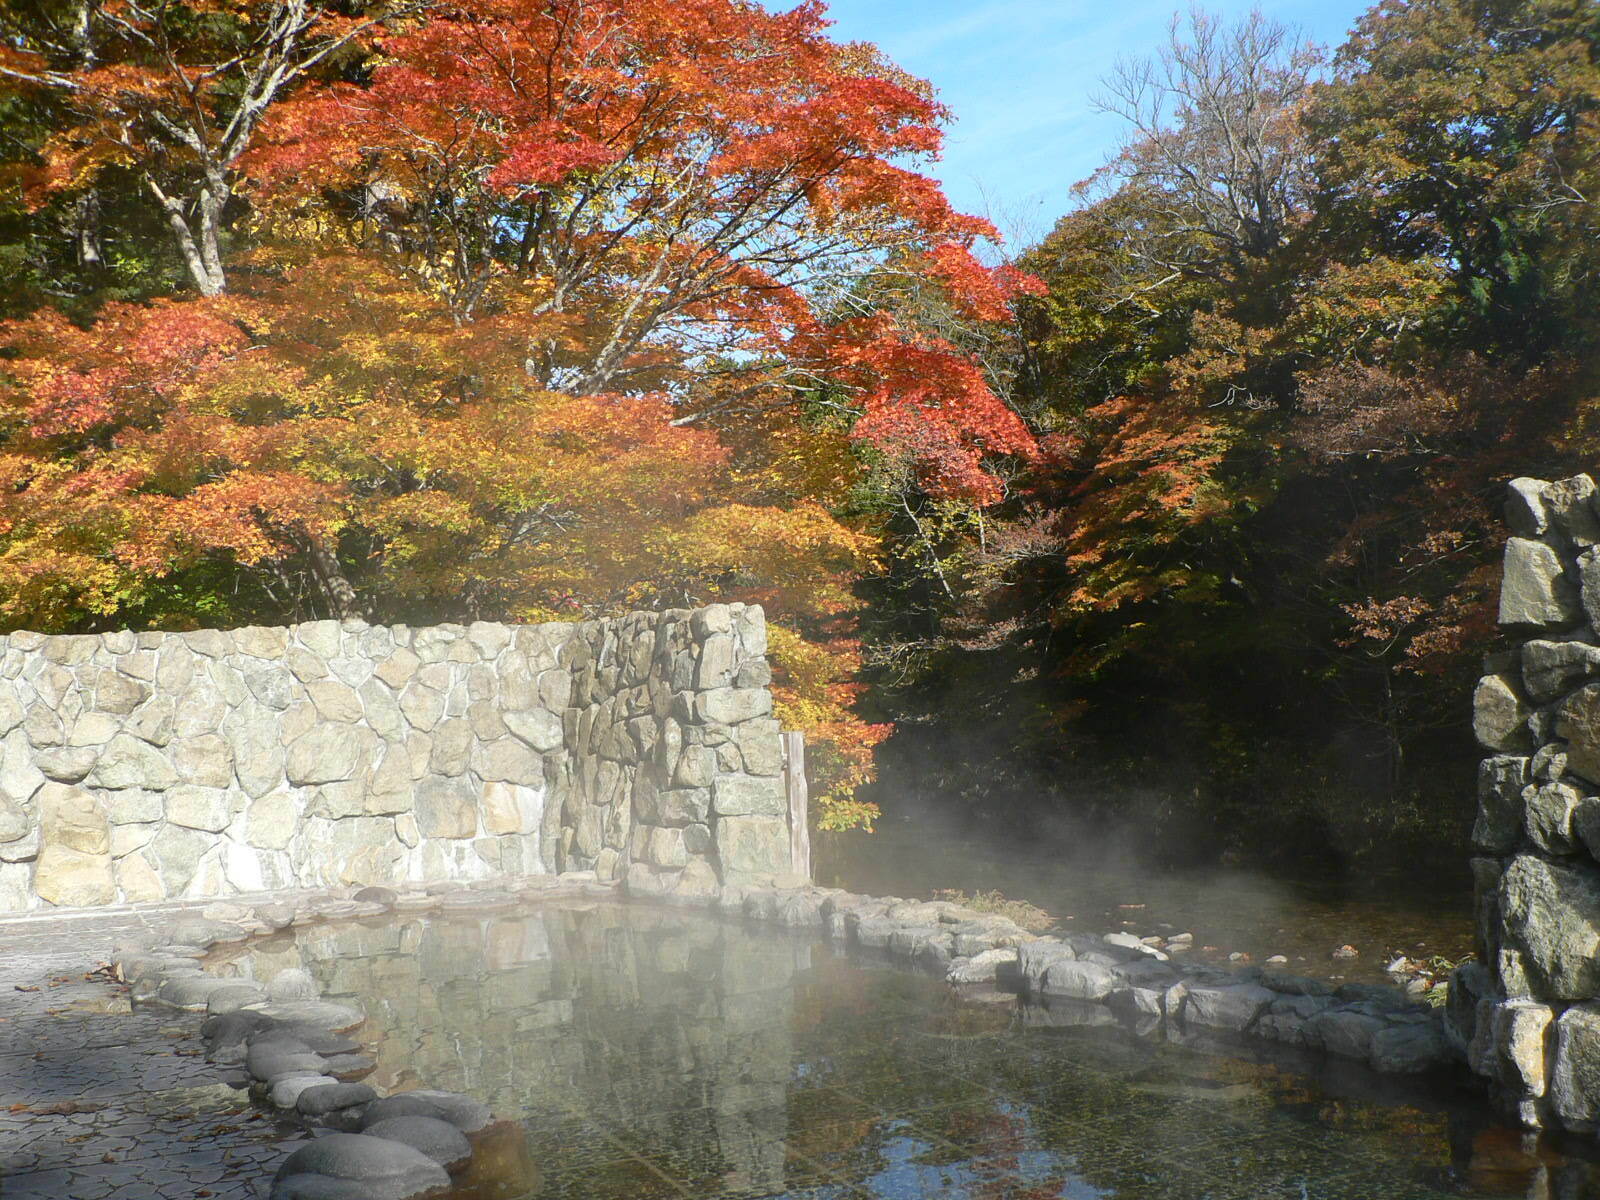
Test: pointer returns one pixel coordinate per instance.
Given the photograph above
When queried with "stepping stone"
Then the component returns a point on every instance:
(151, 966)
(321, 1013)
(268, 1060)
(330, 1097)
(320, 1040)
(321, 1187)
(348, 1067)
(234, 997)
(389, 1170)
(465, 1113)
(190, 992)
(439, 1140)
(234, 1026)
(286, 1090)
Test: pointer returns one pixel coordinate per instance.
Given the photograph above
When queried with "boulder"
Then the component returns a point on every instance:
(1409, 1049)
(465, 1113)
(985, 967)
(325, 1098)
(1535, 591)
(1574, 1088)
(388, 1170)
(1230, 1008)
(1578, 721)
(439, 1140)
(1500, 783)
(292, 983)
(1345, 1032)
(1547, 816)
(1075, 979)
(1552, 915)
(1551, 669)
(1500, 716)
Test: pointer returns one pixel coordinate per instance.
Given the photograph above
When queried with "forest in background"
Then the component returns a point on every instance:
(1297, 336)
(1182, 522)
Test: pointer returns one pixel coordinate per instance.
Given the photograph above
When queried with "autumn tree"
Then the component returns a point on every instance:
(498, 310)
(172, 94)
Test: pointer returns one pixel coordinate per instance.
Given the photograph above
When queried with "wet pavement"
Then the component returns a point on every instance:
(100, 1101)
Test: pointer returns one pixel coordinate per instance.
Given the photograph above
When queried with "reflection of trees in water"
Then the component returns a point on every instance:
(741, 1063)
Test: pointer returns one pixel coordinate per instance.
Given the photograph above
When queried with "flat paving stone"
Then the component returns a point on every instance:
(113, 1101)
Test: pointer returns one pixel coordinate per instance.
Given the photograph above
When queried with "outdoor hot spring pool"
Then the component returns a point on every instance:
(638, 1053)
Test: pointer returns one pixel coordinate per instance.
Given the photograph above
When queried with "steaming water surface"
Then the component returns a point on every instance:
(641, 1053)
(1230, 910)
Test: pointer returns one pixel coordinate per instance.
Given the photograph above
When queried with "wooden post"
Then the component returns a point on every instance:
(794, 782)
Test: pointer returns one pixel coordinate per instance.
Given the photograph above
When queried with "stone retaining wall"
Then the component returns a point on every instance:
(153, 765)
(1528, 1013)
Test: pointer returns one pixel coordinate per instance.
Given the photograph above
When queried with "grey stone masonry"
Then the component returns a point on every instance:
(147, 766)
(1527, 1013)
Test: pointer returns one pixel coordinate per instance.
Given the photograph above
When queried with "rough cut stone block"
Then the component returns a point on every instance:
(683, 806)
(199, 808)
(118, 694)
(729, 706)
(1499, 715)
(1574, 1083)
(446, 808)
(1551, 669)
(1578, 720)
(1548, 813)
(73, 818)
(507, 761)
(1520, 1033)
(206, 760)
(127, 762)
(511, 808)
(73, 879)
(1409, 1049)
(325, 754)
(1535, 590)
(744, 795)
(752, 845)
(137, 880)
(1552, 915)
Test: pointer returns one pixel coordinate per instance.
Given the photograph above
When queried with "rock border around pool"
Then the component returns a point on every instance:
(1137, 984)
(302, 1059)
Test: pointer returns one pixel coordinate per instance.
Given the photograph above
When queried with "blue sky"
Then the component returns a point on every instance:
(1020, 75)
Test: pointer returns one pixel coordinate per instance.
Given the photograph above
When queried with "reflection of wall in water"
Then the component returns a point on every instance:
(676, 1028)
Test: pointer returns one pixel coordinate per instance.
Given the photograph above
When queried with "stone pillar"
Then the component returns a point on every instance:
(1528, 1013)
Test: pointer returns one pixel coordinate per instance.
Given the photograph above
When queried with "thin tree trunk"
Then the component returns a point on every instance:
(337, 589)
